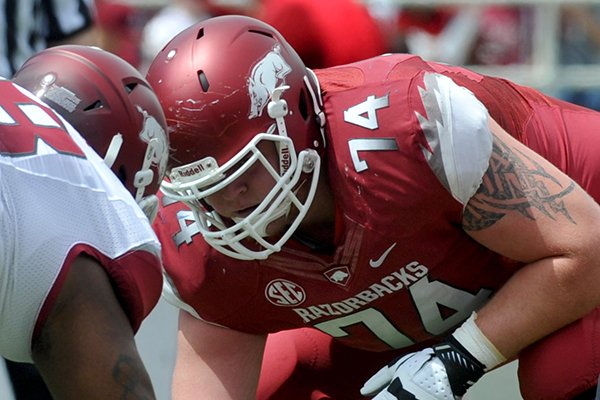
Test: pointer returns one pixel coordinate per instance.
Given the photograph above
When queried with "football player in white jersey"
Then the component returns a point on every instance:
(80, 266)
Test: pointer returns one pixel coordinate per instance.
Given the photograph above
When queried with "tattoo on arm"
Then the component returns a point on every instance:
(128, 375)
(514, 182)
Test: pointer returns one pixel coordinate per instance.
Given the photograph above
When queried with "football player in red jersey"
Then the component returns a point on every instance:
(80, 263)
(393, 222)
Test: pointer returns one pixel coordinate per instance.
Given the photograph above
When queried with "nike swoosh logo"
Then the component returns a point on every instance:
(377, 263)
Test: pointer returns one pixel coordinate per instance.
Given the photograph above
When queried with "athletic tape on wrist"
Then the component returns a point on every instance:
(474, 341)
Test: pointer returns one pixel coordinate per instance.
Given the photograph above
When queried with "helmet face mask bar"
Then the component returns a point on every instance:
(230, 236)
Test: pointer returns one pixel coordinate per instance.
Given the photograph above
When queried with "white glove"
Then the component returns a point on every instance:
(443, 372)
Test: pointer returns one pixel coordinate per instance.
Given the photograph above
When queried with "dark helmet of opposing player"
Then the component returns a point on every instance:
(227, 84)
(112, 106)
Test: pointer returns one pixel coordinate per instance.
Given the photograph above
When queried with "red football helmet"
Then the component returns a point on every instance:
(112, 106)
(226, 84)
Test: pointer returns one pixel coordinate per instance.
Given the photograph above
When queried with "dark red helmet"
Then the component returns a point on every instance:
(214, 81)
(111, 105)
(225, 84)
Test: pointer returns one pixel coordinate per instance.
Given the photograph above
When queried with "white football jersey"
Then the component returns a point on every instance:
(57, 199)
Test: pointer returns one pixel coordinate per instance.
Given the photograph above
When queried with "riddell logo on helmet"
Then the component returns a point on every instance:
(266, 75)
(187, 171)
(190, 172)
(196, 169)
(285, 159)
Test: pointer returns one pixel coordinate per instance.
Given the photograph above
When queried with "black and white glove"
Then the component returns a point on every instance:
(442, 372)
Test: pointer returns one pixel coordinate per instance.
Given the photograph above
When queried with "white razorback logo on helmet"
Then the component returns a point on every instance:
(153, 132)
(157, 151)
(266, 75)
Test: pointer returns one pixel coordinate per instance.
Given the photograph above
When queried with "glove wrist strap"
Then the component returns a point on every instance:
(477, 344)
(462, 369)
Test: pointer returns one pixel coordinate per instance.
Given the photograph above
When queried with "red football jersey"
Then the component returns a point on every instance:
(403, 270)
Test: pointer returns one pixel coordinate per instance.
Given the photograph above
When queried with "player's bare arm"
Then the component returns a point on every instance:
(206, 356)
(529, 211)
(511, 176)
(86, 345)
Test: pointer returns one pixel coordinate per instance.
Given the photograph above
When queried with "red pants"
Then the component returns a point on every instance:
(563, 364)
(307, 364)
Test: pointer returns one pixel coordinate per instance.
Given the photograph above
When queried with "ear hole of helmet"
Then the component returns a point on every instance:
(130, 86)
(122, 174)
(94, 106)
(203, 81)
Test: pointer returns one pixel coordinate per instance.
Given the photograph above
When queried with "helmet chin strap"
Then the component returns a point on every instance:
(283, 210)
(278, 110)
(317, 100)
(149, 206)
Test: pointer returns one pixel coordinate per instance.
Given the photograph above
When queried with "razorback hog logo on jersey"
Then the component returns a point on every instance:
(266, 75)
(338, 275)
(282, 292)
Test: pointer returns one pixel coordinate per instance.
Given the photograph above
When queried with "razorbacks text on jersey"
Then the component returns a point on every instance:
(59, 200)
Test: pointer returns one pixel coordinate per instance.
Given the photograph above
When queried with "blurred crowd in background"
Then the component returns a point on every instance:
(333, 32)
(536, 37)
